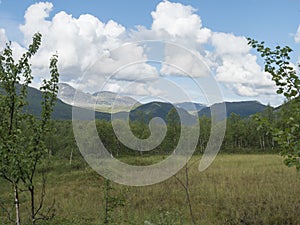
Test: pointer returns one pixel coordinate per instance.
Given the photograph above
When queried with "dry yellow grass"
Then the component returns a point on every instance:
(235, 189)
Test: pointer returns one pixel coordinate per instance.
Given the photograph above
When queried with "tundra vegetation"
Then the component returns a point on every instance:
(246, 184)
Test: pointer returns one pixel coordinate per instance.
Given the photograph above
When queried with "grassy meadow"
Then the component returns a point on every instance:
(235, 189)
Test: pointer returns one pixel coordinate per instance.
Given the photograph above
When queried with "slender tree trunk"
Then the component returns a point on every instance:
(17, 204)
(260, 142)
(186, 187)
(31, 190)
(71, 156)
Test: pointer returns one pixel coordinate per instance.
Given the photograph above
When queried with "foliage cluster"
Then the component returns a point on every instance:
(284, 74)
(22, 145)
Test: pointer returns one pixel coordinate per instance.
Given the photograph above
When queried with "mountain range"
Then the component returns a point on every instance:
(104, 101)
(63, 111)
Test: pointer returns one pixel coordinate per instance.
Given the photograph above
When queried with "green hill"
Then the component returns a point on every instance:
(63, 111)
(244, 108)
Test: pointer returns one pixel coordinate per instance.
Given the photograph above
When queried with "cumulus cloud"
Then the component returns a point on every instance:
(245, 75)
(237, 68)
(18, 50)
(134, 88)
(35, 20)
(228, 57)
(297, 36)
(181, 62)
(178, 22)
(88, 48)
(91, 51)
(138, 72)
(3, 39)
(171, 17)
(228, 43)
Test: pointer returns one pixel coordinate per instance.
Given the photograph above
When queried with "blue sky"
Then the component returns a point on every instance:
(274, 21)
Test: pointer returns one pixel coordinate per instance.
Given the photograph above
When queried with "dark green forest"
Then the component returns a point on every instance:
(243, 135)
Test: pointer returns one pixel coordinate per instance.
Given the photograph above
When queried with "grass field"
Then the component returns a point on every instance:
(235, 189)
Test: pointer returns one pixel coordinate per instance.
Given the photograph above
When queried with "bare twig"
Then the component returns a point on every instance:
(186, 187)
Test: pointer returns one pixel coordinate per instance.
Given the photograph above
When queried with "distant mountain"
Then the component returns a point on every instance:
(190, 106)
(107, 98)
(66, 93)
(104, 100)
(244, 108)
(62, 111)
(158, 109)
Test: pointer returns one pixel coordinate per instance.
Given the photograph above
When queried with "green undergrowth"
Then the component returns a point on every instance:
(235, 189)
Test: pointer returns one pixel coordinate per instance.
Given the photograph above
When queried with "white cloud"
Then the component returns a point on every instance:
(174, 22)
(96, 50)
(35, 21)
(297, 36)
(85, 45)
(181, 62)
(138, 72)
(17, 49)
(3, 39)
(228, 57)
(134, 88)
(179, 22)
(227, 43)
(237, 68)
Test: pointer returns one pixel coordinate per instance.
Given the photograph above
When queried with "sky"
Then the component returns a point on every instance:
(156, 50)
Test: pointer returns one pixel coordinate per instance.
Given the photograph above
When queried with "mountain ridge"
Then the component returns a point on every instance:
(102, 100)
(242, 108)
(63, 111)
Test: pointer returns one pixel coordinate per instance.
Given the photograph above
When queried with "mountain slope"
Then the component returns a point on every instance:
(151, 110)
(190, 106)
(62, 111)
(244, 109)
(105, 101)
(108, 98)
(66, 93)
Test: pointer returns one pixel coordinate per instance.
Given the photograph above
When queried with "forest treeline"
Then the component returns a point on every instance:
(243, 135)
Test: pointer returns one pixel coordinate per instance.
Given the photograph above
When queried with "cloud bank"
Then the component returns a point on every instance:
(86, 48)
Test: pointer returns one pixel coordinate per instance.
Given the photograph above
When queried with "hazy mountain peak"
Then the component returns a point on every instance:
(190, 106)
(102, 100)
(242, 108)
